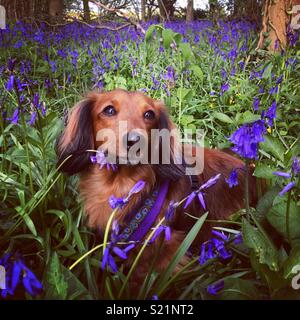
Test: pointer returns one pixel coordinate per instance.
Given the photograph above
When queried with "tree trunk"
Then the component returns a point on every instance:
(143, 10)
(190, 11)
(276, 16)
(86, 11)
(55, 8)
(166, 9)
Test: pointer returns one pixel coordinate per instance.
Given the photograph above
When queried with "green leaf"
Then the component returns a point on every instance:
(168, 37)
(255, 240)
(263, 170)
(180, 253)
(197, 71)
(149, 32)
(184, 94)
(57, 287)
(239, 289)
(249, 117)
(267, 72)
(266, 202)
(277, 217)
(274, 146)
(223, 117)
(292, 263)
(186, 51)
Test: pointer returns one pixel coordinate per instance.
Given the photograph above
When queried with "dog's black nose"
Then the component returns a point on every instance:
(131, 138)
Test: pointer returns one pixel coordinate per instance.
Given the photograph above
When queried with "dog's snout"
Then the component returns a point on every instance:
(131, 138)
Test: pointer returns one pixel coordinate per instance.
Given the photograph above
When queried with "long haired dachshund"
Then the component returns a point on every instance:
(104, 111)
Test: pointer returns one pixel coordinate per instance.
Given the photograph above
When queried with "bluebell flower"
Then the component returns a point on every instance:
(100, 159)
(221, 235)
(296, 166)
(210, 182)
(215, 288)
(171, 211)
(233, 179)
(108, 258)
(115, 202)
(18, 273)
(220, 247)
(138, 187)
(32, 118)
(287, 188)
(238, 239)
(256, 102)
(10, 83)
(15, 117)
(189, 199)
(247, 138)
(282, 174)
(161, 229)
(273, 90)
(201, 200)
(224, 88)
(271, 113)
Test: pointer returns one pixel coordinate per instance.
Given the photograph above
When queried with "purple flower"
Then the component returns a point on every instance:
(171, 210)
(190, 199)
(201, 200)
(109, 260)
(139, 186)
(271, 113)
(220, 235)
(232, 179)
(215, 288)
(10, 83)
(16, 273)
(273, 90)
(32, 118)
(159, 230)
(220, 247)
(256, 103)
(224, 88)
(202, 257)
(115, 202)
(100, 158)
(210, 182)
(287, 188)
(282, 174)
(296, 166)
(238, 238)
(247, 138)
(15, 118)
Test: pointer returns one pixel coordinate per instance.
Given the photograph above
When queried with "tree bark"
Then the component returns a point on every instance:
(55, 8)
(143, 10)
(190, 11)
(166, 9)
(86, 11)
(276, 17)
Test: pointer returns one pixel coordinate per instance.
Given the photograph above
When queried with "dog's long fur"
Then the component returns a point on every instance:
(96, 186)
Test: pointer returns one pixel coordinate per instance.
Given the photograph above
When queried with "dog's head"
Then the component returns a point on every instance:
(121, 124)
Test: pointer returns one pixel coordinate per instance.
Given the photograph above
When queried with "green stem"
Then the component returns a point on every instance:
(247, 191)
(287, 218)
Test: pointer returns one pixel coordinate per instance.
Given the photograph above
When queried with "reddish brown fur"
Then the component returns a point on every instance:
(96, 186)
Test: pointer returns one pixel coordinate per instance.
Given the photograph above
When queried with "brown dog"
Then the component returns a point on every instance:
(106, 110)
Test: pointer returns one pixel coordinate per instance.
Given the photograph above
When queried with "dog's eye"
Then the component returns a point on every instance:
(109, 111)
(149, 115)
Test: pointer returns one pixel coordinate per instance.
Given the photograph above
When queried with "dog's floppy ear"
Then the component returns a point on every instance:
(170, 171)
(76, 139)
